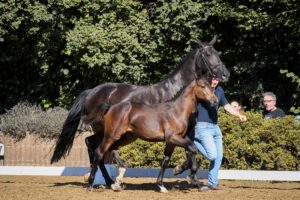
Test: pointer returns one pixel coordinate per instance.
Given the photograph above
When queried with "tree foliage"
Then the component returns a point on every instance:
(52, 50)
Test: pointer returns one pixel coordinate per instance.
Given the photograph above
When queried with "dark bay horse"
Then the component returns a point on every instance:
(126, 121)
(202, 61)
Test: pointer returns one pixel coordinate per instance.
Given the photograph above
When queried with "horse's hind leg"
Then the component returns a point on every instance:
(164, 164)
(91, 146)
(98, 156)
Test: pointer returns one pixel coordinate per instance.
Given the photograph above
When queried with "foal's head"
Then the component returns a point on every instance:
(205, 92)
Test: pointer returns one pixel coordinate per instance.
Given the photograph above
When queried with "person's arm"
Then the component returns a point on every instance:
(233, 112)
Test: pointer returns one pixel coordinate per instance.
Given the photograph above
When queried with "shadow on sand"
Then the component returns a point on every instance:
(173, 185)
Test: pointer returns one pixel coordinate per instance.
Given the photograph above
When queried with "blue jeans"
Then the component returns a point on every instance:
(208, 139)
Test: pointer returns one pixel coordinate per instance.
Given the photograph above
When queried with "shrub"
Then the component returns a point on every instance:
(255, 144)
(28, 118)
(260, 144)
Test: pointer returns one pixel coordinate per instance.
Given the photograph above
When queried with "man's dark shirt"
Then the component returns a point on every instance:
(206, 113)
(273, 114)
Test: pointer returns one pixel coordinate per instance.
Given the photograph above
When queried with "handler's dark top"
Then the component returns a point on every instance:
(206, 113)
(277, 113)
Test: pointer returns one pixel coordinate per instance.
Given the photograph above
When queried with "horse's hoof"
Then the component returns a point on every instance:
(116, 187)
(89, 188)
(86, 177)
(162, 189)
(193, 181)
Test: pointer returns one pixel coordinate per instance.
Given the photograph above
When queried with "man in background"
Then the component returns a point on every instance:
(271, 111)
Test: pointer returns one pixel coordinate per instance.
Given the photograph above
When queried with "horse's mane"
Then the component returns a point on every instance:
(179, 93)
(186, 71)
(198, 69)
(170, 87)
(179, 65)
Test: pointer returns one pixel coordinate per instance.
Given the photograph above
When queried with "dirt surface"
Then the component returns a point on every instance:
(73, 187)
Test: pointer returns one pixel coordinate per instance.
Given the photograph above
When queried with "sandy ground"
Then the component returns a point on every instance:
(73, 187)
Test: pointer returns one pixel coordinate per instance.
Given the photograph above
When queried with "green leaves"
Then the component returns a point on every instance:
(71, 45)
(296, 95)
(116, 41)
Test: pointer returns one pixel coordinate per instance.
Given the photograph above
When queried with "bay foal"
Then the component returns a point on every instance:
(126, 121)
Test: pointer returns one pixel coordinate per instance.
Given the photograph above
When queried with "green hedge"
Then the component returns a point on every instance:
(254, 144)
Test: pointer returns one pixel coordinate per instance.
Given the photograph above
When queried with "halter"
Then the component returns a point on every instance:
(206, 62)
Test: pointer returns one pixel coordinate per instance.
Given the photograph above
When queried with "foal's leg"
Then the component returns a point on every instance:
(91, 146)
(164, 164)
(124, 140)
(122, 168)
(98, 156)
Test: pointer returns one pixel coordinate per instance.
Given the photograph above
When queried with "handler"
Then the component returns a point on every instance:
(208, 135)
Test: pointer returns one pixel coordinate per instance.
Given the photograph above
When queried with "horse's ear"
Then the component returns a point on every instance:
(200, 44)
(213, 41)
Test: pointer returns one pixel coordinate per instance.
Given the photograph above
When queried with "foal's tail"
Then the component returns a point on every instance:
(65, 141)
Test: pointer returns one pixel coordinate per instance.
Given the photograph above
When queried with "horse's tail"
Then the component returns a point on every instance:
(65, 141)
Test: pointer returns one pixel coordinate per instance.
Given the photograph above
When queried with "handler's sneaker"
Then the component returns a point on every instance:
(204, 188)
(209, 188)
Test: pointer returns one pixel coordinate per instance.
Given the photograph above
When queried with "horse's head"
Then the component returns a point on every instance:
(209, 63)
(205, 92)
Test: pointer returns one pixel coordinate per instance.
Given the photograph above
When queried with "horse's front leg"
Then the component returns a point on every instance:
(191, 161)
(165, 162)
(193, 179)
(186, 165)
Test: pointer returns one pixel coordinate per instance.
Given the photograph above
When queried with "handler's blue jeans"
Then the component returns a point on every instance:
(208, 139)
